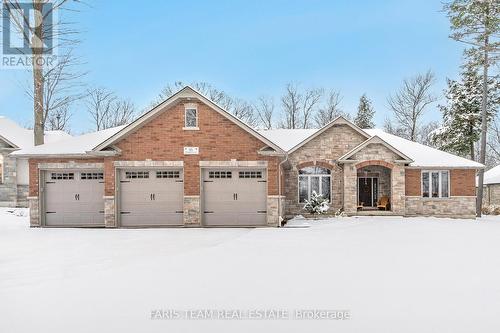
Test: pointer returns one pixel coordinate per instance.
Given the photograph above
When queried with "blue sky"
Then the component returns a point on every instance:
(253, 48)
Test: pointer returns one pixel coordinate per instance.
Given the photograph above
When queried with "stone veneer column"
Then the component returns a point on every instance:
(34, 208)
(192, 211)
(109, 212)
(275, 210)
(398, 190)
(350, 191)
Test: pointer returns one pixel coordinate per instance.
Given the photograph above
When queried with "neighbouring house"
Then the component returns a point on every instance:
(14, 173)
(187, 162)
(491, 194)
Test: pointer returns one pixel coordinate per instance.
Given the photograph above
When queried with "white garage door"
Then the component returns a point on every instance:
(234, 197)
(151, 198)
(74, 198)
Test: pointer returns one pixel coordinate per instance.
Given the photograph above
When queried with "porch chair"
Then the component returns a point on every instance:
(383, 203)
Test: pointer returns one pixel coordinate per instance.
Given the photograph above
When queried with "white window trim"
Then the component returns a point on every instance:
(186, 108)
(309, 192)
(430, 184)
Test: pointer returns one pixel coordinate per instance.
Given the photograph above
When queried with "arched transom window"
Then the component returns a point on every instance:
(316, 179)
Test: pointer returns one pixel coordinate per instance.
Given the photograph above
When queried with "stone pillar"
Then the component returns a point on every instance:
(34, 208)
(350, 191)
(192, 211)
(398, 190)
(109, 212)
(275, 209)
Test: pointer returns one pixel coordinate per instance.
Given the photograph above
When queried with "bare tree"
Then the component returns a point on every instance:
(62, 86)
(237, 107)
(290, 102)
(58, 120)
(331, 110)
(299, 107)
(309, 105)
(37, 36)
(408, 104)
(265, 110)
(107, 110)
(244, 111)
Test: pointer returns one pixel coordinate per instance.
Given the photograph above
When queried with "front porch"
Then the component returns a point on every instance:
(373, 185)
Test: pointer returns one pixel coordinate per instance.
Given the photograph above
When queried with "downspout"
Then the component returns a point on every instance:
(280, 218)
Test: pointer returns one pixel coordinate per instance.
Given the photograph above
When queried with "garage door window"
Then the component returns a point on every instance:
(220, 174)
(136, 174)
(250, 174)
(168, 174)
(314, 179)
(62, 176)
(91, 175)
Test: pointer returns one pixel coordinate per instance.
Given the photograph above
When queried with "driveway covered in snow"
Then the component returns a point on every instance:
(391, 274)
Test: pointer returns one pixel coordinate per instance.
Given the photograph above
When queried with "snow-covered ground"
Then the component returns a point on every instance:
(392, 274)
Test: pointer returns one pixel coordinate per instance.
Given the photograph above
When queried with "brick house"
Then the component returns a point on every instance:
(187, 162)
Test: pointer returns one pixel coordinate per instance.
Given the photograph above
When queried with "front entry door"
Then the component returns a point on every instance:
(365, 191)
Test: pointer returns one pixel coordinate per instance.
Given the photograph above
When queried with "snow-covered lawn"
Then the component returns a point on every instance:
(392, 274)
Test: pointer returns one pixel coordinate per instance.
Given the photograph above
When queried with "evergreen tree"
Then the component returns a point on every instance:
(462, 118)
(364, 117)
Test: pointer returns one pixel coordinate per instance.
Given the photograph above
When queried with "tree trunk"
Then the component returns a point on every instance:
(484, 128)
(37, 54)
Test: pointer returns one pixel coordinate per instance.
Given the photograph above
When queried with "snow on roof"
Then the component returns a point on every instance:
(76, 145)
(22, 137)
(286, 139)
(492, 176)
(422, 155)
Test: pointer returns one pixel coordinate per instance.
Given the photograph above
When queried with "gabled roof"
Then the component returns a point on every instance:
(375, 140)
(337, 121)
(18, 137)
(186, 92)
(287, 138)
(492, 176)
(422, 155)
(73, 146)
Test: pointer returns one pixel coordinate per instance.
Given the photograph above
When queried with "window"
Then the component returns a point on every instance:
(168, 174)
(191, 117)
(220, 174)
(91, 175)
(435, 184)
(250, 174)
(62, 176)
(136, 174)
(315, 179)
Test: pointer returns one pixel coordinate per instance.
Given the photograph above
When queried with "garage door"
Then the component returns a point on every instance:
(151, 198)
(234, 197)
(74, 198)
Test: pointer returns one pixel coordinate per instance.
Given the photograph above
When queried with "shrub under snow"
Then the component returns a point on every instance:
(317, 205)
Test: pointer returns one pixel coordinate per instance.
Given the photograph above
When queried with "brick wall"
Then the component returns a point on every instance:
(413, 186)
(463, 182)
(164, 139)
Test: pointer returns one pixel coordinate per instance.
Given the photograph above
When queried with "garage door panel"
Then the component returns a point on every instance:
(74, 202)
(154, 198)
(234, 197)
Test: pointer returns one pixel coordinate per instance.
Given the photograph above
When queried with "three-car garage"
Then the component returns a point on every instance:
(154, 197)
